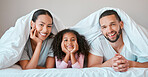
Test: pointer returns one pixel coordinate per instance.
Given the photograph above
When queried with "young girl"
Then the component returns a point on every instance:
(70, 49)
(36, 54)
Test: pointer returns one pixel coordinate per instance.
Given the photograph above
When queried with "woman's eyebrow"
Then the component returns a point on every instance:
(42, 22)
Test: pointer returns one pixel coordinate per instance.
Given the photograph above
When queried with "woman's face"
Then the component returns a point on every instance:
(43, 25)
(69, 40)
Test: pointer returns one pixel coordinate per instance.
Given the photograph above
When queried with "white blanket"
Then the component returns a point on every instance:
(136, 34)
(13, 41)
(15, 71)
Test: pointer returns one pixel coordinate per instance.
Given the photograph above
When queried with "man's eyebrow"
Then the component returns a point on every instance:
(102, 25)
(112, 22)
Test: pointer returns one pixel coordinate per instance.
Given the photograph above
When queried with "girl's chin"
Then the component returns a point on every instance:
(69, 49)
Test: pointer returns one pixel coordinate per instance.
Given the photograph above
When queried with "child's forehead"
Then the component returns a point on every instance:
(69, 34)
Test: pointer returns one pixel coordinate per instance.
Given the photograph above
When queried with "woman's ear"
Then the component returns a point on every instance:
(32, 24)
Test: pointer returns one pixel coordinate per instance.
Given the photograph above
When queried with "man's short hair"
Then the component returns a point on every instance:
(110, 12)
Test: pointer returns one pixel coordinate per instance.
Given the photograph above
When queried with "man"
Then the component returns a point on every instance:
(110, 50)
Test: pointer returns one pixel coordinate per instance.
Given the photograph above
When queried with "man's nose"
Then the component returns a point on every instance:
(109, 29)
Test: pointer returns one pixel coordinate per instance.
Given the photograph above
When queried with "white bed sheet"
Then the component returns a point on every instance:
(16, 71)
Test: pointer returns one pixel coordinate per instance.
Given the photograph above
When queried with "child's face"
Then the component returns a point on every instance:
(69, 40)
(43, 25)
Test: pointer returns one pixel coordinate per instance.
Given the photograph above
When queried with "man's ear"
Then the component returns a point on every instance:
(121, 24)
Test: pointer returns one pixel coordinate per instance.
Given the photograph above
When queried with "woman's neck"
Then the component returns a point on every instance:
(33, 45)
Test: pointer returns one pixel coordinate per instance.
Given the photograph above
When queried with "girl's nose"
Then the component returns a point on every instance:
(69, 42)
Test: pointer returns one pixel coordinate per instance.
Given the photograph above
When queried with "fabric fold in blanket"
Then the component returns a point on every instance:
(136, 34)
(14, 39)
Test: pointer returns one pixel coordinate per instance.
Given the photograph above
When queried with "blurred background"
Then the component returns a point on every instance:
(69, 11)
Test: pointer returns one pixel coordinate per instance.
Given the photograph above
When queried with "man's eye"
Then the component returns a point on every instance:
(103, 27)
(113, 24)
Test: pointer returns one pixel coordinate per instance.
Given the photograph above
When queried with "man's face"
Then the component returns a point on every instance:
(111, 27)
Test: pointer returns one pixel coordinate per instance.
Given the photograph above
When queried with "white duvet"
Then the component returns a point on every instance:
(15, 71)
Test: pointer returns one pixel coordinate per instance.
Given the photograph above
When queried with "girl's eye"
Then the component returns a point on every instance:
(65, 40)
(73, 39)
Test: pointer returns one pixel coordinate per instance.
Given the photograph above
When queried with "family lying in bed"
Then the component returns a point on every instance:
(106, 38)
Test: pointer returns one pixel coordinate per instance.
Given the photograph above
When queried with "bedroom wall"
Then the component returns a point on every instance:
(69, 11)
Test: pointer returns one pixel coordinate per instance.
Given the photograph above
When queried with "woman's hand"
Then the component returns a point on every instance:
(33, 35)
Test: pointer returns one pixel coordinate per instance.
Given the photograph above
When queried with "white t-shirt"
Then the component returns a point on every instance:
(101, 47)
(45, 51)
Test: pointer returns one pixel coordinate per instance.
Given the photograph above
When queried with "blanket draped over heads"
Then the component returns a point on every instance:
(135, 36)
(14, 39)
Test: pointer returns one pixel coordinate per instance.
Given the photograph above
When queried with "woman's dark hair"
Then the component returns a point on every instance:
(41, 12)
(83, 45)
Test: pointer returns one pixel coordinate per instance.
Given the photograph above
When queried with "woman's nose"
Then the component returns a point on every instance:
(44, 29)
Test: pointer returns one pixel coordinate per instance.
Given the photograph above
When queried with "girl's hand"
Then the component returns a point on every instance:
(63, 48)
(33, 36)
(76, 47)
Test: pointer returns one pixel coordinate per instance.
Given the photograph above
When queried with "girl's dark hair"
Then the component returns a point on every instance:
(83, 45)
(41, 12)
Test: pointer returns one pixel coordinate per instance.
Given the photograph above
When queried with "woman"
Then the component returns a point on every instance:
(14, 40)
(36, 53)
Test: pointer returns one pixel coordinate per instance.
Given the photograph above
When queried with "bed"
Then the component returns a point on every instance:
(16, 71)
(10, 55)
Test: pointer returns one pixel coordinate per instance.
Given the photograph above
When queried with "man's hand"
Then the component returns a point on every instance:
(120, 64)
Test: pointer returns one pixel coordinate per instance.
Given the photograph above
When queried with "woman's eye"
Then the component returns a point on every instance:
(49, 26)
(41, 24)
